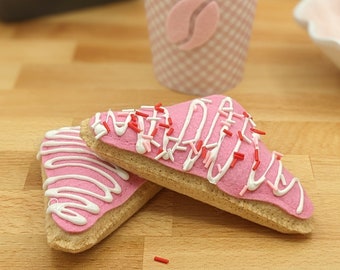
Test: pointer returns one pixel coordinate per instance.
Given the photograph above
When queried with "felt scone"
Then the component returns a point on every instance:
(209, 149)
(86, 198)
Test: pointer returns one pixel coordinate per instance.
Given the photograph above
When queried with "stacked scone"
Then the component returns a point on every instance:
(208, 148)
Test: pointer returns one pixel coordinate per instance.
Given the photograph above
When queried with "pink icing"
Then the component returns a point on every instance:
(71, 154)
(191, 23)
(217, 124)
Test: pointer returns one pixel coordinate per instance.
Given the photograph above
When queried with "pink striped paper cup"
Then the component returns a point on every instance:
(199, 47)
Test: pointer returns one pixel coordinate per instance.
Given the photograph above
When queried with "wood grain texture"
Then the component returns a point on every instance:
(56, 71)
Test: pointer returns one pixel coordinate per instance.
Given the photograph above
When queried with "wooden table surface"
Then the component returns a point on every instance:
(58, 70)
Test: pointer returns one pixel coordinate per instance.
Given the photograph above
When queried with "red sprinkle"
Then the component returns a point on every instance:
(142, 114)
(232, 165)
(154, 132)
(134, 127)
(278, 155)
(159, 109)
(258, 131)
(204, 152)
(170, 121)
(106, 126)
(170, 131)
(161, 260)
(238, 155)
(164, 125)
(257, 164)
(133, 118)
(257, 154)
(240, 135)
(158, 104)
(227, 132)
(199, 145)
(246, 114)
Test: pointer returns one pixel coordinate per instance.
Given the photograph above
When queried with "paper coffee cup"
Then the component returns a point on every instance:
(199, 47)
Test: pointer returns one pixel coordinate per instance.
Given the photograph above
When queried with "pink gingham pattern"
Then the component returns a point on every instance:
(212, 68)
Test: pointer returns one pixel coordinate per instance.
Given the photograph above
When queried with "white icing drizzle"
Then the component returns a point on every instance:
(58, 143)
(230, 117)
(189, 162)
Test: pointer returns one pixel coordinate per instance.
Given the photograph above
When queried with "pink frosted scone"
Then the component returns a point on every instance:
(87, 198)
(209, 149)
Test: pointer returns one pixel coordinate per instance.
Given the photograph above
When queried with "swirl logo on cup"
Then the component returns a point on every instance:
(191, 23)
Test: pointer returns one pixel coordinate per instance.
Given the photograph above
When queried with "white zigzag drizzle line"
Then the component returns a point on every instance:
(59, 142)
(280, 178)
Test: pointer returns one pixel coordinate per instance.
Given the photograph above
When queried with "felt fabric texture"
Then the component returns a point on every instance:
(179, 20)
(64, 155)
(207, 121)
(75, 167)
(190, 23)
(197, 188)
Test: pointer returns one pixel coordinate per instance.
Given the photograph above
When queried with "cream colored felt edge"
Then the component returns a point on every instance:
(196, 187)
(78, 242)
